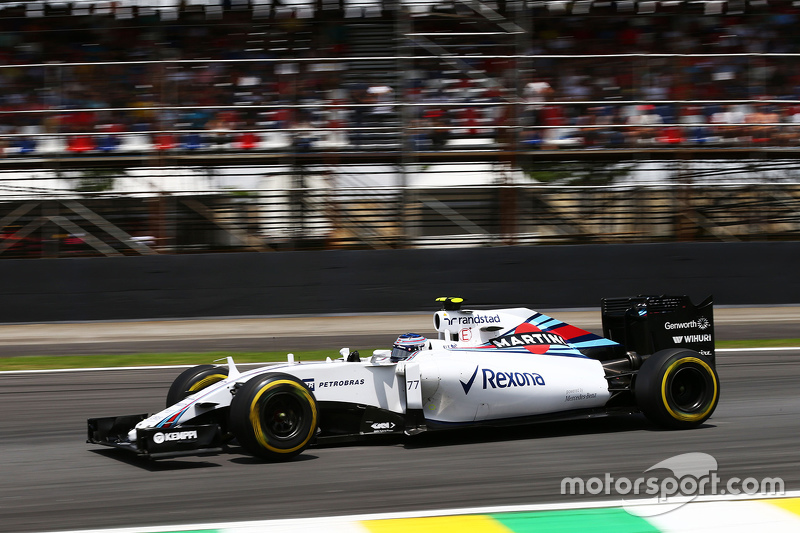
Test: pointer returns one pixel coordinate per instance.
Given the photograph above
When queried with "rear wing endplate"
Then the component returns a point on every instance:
(647, 324)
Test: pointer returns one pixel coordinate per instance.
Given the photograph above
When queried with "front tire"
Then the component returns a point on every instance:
(273, 416)
(194, 379)
(677, 388)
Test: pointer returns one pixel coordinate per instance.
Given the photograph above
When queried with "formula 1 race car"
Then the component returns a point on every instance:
(487, 367)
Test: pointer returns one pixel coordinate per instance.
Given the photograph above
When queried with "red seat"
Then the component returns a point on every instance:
(671, 136)
(165, 141)
(247, 141)
(80, 144)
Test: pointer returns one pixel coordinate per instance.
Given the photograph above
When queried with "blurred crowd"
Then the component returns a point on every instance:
(238, 82)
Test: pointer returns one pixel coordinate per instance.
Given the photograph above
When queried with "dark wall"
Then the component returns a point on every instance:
(242, 284)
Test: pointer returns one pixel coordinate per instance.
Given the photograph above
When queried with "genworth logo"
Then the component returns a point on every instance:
(701, 323)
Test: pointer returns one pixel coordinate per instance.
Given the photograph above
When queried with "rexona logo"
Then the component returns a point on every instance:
(503, 380)
(160, 438)
(472, 319)
(528, 339)
(691, 338)
(701, 324)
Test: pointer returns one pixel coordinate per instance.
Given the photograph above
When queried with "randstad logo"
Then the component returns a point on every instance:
(503, 380)
(469, 320)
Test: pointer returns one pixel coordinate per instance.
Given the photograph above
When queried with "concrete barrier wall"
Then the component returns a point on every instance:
(245, 284)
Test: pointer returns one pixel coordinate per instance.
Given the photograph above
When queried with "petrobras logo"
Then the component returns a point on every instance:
(472, 319)
(503, 380)
(528, 339)
(339, 383)
(174, 436)
(679, 339)
(701, 323)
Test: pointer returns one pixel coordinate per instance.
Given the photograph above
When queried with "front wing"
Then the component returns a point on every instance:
(154, 443)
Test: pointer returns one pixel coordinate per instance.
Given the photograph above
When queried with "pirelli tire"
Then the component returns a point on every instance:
(273, 416)
(677, 388)
(194, 379)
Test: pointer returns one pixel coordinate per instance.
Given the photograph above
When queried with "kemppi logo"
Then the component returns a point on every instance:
(161, 438)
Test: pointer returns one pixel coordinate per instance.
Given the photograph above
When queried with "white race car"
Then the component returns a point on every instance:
(486, 367)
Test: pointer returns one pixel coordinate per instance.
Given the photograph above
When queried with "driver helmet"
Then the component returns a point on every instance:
(407, 344)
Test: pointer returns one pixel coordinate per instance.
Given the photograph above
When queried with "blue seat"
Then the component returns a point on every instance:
(107, 143)
(191, 141)
(25, 146)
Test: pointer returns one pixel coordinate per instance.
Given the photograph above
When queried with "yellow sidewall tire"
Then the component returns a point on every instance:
(274, 416)
(194, 379)
(702, 413)
(677, 388)
(256, 414)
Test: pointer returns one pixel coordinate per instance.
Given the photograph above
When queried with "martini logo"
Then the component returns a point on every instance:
(529, 337)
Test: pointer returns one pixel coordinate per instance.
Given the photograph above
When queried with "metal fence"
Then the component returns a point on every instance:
(241, 131)
(154, 210)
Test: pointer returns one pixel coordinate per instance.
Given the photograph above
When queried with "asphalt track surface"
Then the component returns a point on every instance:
(51, 479)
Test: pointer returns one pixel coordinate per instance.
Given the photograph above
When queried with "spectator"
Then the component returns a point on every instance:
(763, 119)
(220, 129)
(646, 122)
(730, 123)
(147, 90)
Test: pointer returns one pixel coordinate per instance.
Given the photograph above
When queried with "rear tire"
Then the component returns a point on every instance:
(273, 416)
(194, 379)
(677, 388)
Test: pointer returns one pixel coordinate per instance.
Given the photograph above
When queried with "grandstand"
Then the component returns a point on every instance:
(148, 126)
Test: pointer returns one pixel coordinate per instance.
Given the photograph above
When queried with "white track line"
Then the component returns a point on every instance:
(168, 367)
(110, 368)
(341, 522)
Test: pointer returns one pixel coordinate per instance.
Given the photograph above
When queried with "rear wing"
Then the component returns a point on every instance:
(647, 324)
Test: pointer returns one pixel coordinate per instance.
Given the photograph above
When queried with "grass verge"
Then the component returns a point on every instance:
(37, 362)
(167, 359)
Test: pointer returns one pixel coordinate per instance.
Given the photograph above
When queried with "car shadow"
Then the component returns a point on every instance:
(252, 460)
(554, 429)
(157, 465)
(429, 439)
